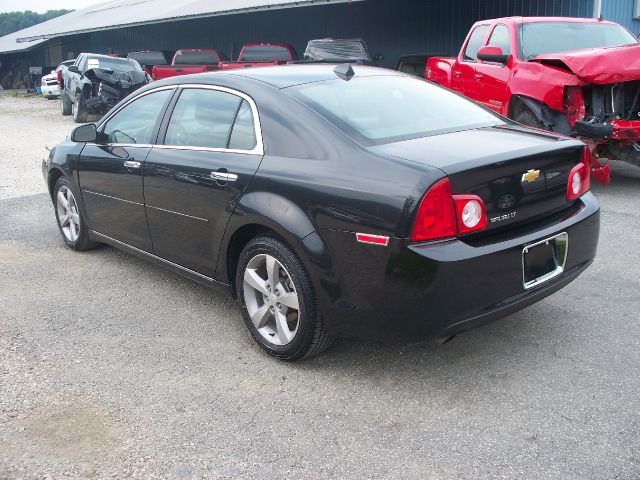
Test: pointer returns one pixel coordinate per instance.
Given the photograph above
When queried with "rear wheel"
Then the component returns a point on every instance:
(527, 117)
(277, 301)
(71, 220)
(65, 104)
(79, 110)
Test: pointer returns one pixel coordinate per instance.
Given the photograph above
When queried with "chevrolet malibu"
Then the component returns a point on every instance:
(332, 201)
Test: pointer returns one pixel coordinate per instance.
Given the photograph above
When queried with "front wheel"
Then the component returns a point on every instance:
(70, 219)
(277, 301)
(79, 110)
(627, 153)
(527, 117)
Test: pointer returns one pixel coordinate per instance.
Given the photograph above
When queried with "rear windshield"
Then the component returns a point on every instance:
(384, 109)
(149, 58)
(196, 58)
(111, 63)
(556, 37)
(265, 53)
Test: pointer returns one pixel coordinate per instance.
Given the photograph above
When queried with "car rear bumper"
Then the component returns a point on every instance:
(439, 289)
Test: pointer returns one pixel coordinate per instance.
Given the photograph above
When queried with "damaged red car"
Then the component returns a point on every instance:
(574, 76)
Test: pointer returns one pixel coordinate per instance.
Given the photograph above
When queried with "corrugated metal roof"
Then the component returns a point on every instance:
(120, 13)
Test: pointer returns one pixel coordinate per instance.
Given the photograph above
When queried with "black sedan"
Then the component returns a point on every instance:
(332, 201)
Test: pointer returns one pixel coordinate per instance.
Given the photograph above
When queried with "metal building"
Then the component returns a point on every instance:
(390, 27)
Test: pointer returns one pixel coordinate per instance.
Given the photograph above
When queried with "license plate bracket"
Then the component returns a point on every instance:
(544, 260)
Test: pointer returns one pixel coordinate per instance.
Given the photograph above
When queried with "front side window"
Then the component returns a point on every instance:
(500, 38)
(384, 109)
(475, 42)
(136, 122)
(204, 118)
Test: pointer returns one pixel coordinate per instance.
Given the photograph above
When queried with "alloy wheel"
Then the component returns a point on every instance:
(68, 215)
(271, 299)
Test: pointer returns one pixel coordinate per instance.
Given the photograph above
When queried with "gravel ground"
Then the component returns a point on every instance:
(112, 367)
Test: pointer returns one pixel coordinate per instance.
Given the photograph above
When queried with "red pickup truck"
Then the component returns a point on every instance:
(261, 55)
(188, 61)
(574, 76)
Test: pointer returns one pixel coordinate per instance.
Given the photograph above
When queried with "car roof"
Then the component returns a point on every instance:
(546, 19)
(284, 76)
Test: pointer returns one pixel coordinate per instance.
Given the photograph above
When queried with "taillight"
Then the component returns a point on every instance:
(442, 214)
(59, 76)
(579, 180)
(436, 217)
(470, 213)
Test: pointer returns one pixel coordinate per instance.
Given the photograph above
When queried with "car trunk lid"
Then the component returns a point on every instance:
(520, 174)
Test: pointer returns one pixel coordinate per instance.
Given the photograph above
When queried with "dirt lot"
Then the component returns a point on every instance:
(112, 367)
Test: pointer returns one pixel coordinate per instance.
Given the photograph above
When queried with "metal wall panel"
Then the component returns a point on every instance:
(621, 11)
(390, 27)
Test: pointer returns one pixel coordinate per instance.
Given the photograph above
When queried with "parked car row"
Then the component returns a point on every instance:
(93, 83)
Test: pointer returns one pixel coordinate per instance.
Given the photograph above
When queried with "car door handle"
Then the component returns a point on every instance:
(224, 176)
(457, 73)
(131, 164)
(478, 76)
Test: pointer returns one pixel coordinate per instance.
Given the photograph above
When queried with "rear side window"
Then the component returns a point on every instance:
(204, 118)
(475, 42)
(136, 122)
(500, 38)
(243, 135)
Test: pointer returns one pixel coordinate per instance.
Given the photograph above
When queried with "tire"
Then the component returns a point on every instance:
(79, 110)
(65, 105)
(304, 334)
(626, 154)
(528, 118)
(76, 238)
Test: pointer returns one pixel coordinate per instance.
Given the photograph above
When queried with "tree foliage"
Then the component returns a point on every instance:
(13, 21)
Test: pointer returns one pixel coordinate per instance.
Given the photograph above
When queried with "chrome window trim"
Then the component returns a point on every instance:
(257, 150)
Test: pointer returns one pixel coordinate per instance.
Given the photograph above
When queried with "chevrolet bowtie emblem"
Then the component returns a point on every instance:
(530, 176)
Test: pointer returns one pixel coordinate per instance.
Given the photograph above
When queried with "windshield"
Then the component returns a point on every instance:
(265, 53)
(554, 37)
(115, 64)
(196, 58)
(383, 109)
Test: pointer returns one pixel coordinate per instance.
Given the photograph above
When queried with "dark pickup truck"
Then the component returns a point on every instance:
(95, 83)
(188, 61)
(261, 55)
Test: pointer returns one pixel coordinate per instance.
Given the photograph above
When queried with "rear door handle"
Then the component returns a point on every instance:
(224, 176)
(457, 73)
(478, 76)
(131, 164)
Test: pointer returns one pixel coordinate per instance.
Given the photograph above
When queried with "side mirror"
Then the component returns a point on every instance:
(84, 133)
(489, 53)
(378, 57)
(74, 69)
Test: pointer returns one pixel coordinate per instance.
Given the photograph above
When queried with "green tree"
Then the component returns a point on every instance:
(13, 21)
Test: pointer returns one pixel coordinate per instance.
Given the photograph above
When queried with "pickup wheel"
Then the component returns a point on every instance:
(626, 153)
(65, 104)
(528, 118)
(79, 110)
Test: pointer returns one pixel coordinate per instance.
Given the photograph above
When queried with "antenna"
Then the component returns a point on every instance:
(344, 71)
